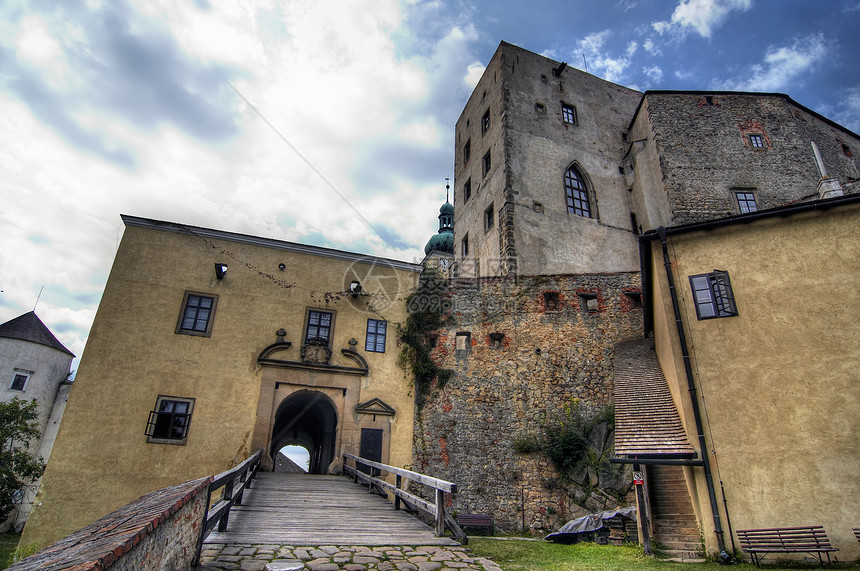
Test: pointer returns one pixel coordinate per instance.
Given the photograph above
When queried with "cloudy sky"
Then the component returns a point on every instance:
(144, 107)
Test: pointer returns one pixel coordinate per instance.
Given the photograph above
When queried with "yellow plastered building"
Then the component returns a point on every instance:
(767, 321)
(208, 345)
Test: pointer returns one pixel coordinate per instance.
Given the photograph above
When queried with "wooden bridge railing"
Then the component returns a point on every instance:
(231, 496)
(437, 509)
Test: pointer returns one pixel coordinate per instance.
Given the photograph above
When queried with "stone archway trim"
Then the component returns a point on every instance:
(265, 358)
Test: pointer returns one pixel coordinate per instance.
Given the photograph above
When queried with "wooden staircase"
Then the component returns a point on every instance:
(673, 520)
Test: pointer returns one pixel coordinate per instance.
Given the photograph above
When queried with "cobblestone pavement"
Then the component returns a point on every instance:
(347, 558)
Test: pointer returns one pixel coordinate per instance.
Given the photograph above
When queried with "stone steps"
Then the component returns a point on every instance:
(675, 526)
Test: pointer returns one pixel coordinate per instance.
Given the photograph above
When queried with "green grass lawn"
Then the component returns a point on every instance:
(519, 555)
(8, 543)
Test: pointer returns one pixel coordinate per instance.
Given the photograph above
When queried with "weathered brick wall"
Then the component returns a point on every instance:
(156, 531)
(705, 152)
(547, 359)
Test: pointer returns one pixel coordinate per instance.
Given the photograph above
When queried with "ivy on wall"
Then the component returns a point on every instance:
(428, 307)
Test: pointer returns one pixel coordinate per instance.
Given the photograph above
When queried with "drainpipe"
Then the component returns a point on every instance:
(725, 558)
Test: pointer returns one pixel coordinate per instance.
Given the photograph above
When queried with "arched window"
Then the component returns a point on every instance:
(576, 193)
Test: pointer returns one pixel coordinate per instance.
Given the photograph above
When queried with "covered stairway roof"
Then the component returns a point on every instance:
(647, 424)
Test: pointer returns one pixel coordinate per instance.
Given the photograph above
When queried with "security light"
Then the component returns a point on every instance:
(354, 288)
(220, 270)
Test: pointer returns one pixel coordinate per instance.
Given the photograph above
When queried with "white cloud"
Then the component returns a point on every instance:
(654, 73)
(781, 66)
(703, 16)
(631, 49)
(648, 46)
(329, 76)
(847, 113)
(600, 62)
(473, 74)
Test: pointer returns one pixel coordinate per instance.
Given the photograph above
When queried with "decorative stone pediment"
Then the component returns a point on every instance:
(374, 406)
(315, 355)
(316, 352)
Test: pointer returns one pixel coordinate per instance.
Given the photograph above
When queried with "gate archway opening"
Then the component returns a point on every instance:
(295, 456)
(307, 419)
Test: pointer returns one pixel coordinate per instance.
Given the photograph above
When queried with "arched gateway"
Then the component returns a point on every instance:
(310, 398)
(308, 419)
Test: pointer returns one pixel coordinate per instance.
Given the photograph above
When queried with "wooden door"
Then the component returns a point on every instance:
(371, 448)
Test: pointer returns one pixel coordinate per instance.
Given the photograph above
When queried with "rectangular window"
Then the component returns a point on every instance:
(463, 342)
(376, 331)
(319, 325)
(467, 152)
(485, 122)
(757, 141)
(746, 201)
(464, 245)
(568, 113)
(169, 422)
(198, 311)
(488, 218)
(467, 191)
(712, 294)
(19, 381)
(485, 164)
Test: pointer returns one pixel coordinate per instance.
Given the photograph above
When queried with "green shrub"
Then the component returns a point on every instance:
(527, 442)
(563, 437)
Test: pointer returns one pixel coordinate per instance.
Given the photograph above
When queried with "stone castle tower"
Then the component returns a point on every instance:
(538, 188)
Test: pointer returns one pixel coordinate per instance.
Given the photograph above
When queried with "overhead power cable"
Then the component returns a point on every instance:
(306, 161)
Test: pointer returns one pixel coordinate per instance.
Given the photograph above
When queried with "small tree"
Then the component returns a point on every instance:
(18, 468)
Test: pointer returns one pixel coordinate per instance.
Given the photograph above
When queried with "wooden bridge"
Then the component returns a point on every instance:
(162, 529)
(305, 509)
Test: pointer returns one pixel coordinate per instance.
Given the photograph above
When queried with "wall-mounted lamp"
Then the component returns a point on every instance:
(282, 267)
(220, 270)
(354, 288)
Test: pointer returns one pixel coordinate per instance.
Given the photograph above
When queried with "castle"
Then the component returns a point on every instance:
(569, 193)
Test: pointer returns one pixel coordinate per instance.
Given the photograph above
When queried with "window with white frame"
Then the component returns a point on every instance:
(20, 380)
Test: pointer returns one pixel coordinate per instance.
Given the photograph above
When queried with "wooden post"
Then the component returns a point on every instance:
(242, 478)
(642, 510)
(398, 481)
(228, 495)
(440, 513)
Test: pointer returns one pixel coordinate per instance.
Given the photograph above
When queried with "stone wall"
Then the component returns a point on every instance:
(528, 349)
(157, 531)
(705, 154)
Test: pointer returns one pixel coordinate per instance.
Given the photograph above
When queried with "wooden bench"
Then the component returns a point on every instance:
(761, 542)
(476, 521)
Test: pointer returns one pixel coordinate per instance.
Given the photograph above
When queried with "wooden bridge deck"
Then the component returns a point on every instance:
(304, 509)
